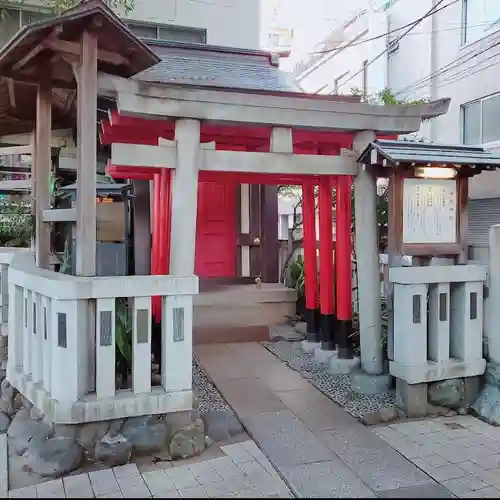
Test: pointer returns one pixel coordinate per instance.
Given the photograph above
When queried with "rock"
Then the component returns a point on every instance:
(450, 413)
(91, 433)
(66, 430)
(24, 431)
(388, 414)
(36, 414)
(208, 441)
(4, 422)
(196, 402)
(436, 411)
(487, 405)
(462, 411)
(7, 397)
(21, 402)
(115, 427)
(186, 443)
(221, 425)
(449, 393)
(114, 450)
(492, 374)
(146, 433)
(54, 457)
(382, 415)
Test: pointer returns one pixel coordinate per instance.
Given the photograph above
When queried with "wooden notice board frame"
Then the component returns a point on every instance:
(396, 246)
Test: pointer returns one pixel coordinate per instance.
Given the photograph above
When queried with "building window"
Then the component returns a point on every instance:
(480, 121)
(478, 17)
(12, 20)
(168, 33)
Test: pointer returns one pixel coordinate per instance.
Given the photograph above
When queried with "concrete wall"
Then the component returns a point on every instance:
(232, 23)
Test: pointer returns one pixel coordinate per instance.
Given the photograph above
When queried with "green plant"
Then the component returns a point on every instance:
(295, 277)
(123, 335)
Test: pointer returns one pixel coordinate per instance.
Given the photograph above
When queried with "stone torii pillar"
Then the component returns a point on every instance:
(372, 379)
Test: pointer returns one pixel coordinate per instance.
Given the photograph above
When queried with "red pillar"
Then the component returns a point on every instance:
(326, 281)
(343, 257)
(155, 244)
(310, 260)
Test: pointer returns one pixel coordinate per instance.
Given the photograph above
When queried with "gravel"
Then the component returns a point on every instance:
(335, 387)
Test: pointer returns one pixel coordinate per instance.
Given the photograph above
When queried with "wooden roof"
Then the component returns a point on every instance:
(54, 44)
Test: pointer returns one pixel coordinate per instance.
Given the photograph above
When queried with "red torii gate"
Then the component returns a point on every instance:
(333, 298)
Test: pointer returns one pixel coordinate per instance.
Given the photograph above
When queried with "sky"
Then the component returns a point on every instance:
(311, 21)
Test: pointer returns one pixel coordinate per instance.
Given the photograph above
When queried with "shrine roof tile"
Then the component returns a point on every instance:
(418, 153)
(199, 65)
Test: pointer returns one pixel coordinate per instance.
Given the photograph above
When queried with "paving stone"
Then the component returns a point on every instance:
(28, 492)
(114, 494)
(158, 482)
(78, 486)
(139, 491)
(253, 449)
(204, 473)
(227, 488)
(50, 489)
(375, 462)
(103, 482)
(168, 494)
(465, 484)
(435, 460)
(254, 471)
(237, 452)
(182, 477)
(433, 490)
(446, 472)
(127, 482)
(488, 492)
(193, 492)
(324, 480)
(285, 440)
(226, 468)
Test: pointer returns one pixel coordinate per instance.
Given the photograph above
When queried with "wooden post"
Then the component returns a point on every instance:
(41, 170)
(87, 164)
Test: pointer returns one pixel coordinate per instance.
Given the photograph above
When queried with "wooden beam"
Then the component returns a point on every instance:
(73, 48)
(87, 164)
(12, 93)
(33, 80)
(28, 57)
(41, 171)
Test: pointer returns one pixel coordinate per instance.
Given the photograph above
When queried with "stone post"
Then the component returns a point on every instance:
(368, 267)
(488, 403)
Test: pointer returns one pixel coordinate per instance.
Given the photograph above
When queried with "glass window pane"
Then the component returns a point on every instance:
(474, 19)
(490, 115)
(143, 30)
(472, 123)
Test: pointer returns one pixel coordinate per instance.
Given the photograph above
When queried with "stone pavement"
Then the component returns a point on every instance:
(461, 453)
(244, 472)
(318, 448)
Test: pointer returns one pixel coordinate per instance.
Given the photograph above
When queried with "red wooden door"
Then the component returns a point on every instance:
(216, 231)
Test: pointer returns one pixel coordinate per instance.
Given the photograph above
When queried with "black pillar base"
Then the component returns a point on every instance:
(344, 341)
(328, 328)
(313, 325)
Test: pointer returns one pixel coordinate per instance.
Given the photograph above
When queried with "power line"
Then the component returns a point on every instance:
(471, 54)
(398, 39)
(459, 75)
(378, 37)
(354, 44)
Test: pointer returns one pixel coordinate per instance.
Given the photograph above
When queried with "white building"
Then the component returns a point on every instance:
(454, 52)
(200, 21)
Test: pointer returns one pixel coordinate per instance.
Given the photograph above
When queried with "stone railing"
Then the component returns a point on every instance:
(62, 350)
(438, 322)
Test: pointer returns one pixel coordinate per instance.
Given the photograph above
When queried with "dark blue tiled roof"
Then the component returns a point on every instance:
(210, 66)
